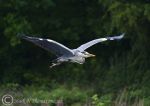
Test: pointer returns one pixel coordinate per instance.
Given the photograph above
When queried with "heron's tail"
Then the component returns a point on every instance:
(24, 36)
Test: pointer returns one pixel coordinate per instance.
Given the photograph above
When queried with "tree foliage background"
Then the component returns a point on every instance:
(118, 64)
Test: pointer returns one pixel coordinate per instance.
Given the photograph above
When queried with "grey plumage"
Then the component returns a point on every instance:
(49, 45)
(93, 42)
(65, 54)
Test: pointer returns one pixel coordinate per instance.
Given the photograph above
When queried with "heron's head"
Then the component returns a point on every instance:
(86, 54)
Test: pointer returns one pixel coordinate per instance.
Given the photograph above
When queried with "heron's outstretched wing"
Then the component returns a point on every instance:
(50, 45)
(93, 42)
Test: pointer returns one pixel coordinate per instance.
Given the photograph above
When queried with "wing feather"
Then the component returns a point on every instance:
(93, 42)
(49, 45)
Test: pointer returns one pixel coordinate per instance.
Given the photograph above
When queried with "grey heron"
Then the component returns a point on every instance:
(64, 53)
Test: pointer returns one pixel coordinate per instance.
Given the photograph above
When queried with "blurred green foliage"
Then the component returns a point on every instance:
(118, 65)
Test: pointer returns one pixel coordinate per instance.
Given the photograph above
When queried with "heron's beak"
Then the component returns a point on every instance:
(92, 55)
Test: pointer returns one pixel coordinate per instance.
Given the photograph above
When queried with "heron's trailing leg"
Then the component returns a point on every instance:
(55, 63)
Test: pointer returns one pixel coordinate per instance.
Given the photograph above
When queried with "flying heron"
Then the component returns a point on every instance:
(64, 53)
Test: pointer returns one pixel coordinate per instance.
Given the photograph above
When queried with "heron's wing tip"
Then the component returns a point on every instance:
(121, 36)
(116, 37)
(21, 35)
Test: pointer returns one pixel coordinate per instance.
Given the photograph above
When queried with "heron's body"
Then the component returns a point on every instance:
(76, 58)
(65, 54)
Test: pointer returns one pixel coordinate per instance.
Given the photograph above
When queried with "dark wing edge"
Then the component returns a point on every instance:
(49, 45)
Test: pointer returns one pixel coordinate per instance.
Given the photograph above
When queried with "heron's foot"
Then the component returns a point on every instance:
(54, 64)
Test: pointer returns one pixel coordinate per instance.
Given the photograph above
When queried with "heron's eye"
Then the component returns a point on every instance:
(86, 53)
